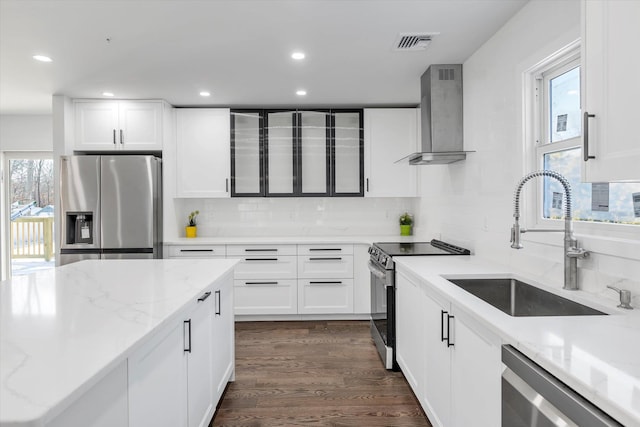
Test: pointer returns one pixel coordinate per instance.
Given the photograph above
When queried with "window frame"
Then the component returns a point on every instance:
(612, 239)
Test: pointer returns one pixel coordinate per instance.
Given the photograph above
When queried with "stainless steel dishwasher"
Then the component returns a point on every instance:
(531, 397)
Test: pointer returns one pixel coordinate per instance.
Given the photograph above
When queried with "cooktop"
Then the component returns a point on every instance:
(434, 247)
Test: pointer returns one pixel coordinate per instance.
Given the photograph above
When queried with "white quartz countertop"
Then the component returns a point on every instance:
(598, 356)
(63, 329)
(366, 240)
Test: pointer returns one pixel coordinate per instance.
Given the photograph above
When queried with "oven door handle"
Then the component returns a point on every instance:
(377, 271)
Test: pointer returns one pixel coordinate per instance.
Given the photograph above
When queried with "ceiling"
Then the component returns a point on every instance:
(239, 50)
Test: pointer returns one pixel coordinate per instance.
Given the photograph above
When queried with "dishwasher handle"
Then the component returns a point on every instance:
(568, 402)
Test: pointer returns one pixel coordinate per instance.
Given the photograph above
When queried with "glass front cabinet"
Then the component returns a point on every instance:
(297, 153)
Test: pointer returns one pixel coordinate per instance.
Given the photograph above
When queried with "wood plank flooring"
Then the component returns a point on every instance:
(314, 374)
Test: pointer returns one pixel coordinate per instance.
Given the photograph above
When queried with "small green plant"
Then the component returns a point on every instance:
(406, 219)
(193, 216)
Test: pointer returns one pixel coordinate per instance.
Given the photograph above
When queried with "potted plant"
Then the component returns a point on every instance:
(406, 221)
(191, 229)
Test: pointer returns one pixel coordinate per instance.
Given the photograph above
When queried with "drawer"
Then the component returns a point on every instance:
(252, 250)
(266, 267)
(325, 296)
(325, 266)
(265, 296)
(197, 251)
(328, 250)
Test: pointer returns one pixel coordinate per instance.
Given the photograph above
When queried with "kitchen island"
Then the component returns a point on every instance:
(78, 343)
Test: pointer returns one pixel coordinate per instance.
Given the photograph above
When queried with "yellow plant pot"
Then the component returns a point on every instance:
(405, 230)
(190, 230)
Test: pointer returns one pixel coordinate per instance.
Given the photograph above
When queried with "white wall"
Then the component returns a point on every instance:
(472, 201)
(26, 133)
(313, 216)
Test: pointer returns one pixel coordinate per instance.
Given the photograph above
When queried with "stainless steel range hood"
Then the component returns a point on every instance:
(441, 116)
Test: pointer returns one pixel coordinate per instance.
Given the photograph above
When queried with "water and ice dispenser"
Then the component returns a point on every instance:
(79, 228)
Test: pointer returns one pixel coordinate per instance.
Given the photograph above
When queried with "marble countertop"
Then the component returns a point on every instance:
(367, 240)
(598, 356)
(62, 330)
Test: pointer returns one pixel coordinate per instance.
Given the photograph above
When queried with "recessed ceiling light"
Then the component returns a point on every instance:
(297, 55)
(205, 93)
(42, 58)
(301, 92)
(107, 94)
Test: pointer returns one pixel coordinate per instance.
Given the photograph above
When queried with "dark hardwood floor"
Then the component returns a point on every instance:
(314, 374)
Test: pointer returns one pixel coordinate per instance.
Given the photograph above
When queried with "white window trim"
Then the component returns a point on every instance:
(609, 239)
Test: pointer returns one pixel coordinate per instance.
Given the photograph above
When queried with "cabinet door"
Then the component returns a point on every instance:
(389, 135)
(96, 125)
(325, 266)
(437, 392)
(361, 280)
(140, 125)
(200, 363)
(280, 150)
(410, 333)
(247, 167)
(347, 153)
(223, 337)
(325, 296)
(314, 149)
(203, 153)
(610, 89)
(266, 296)
(476, 371)
(157, 381)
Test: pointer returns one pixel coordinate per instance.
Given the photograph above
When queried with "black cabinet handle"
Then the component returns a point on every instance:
(226, 185)
(585, 138)
(334, 282)
(218, 303)
(261, 259)
(114, 137)
(204, 296)
(260, 283)
(325, 259)
(442, 313)
(261, 250)
(449, 343)
(196, 250)
(367, 185)
(187, 336)
(325, 249)
(121, 137)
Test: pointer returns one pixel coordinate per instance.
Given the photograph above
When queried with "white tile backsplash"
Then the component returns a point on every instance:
(312, 216)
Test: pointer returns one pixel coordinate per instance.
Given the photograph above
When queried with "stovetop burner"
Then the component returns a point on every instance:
(382, 252)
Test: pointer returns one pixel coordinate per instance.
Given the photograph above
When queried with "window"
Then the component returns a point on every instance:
(558, 142)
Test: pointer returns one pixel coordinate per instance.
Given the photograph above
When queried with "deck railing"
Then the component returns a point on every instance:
(32, 237)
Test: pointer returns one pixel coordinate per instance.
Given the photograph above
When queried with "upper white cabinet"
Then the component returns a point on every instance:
(203, 152)
(389, 135)
(610, 70)
(118, 125)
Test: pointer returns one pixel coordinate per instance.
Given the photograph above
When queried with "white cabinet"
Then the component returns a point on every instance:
(157, 381)
(452, 364)
(325, 274)
(389, 135)
(118, 125)
(223, 338)
(610, 71)
(196, 251)
(203, 158)
(265, 279)
(361, 280)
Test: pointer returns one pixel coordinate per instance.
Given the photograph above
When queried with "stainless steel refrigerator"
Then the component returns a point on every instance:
(111, 207)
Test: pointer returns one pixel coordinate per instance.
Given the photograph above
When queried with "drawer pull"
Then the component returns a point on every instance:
(218, 303)
(326, 259)
(325, 249)
(196, 250)
(261, 250)
(260, 283)
(261, 259)
(204, 296)
(334, 282)
(186, 337)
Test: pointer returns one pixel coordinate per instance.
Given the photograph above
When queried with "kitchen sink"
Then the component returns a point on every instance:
(520, 299)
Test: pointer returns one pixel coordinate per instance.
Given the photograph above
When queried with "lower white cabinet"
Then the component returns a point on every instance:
(177, 378)
(454, 365)
(266, 296)
(324, 296)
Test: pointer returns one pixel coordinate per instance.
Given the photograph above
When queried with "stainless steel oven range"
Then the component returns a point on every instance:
(382, 268)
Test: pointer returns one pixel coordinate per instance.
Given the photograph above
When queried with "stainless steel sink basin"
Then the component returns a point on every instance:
(517, 298)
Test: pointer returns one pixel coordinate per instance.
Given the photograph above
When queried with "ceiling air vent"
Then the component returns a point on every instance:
(413, 41)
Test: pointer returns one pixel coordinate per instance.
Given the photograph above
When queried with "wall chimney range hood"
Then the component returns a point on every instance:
(440, 117)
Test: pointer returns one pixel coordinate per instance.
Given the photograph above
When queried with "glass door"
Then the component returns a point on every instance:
(280, 152)
(247, 167)
(314, 148)
(347, 145)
